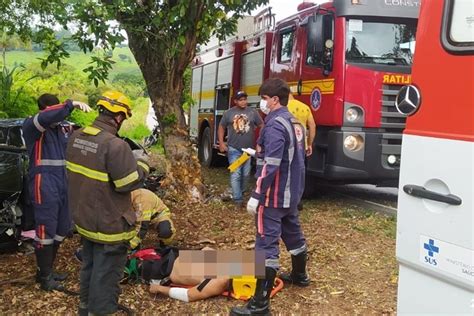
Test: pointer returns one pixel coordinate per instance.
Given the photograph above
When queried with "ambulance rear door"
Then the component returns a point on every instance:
(435, 222)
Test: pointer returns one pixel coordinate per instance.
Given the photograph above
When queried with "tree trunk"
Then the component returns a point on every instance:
(163, 77)
(184, 170)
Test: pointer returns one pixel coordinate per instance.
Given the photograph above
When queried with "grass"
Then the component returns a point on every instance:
(79, 60)
(135, 127)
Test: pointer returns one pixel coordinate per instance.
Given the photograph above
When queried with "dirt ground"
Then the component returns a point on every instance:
(351, 262)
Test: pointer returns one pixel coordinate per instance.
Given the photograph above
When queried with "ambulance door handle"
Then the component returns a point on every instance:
(421, 192)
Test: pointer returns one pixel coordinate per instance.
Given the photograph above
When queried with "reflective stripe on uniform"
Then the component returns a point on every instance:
(164, 214)
(146, 215)
(90, 173)
(297, 251)
(135, 241)
(59, 238)
(144, 166)
(273, 161)
(291, 152)
(37, 124)
(44, 241)
(106, 237)
(272, 263)
(126, 180)
(52, 162)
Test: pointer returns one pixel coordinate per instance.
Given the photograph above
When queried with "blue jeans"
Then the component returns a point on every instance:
(239, 178)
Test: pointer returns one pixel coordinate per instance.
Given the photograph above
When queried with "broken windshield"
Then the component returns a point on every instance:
(379, 43)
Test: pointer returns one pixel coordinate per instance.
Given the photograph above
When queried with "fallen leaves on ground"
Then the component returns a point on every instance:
(351, 261)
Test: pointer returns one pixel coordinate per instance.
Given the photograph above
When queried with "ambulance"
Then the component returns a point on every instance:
(435, 222)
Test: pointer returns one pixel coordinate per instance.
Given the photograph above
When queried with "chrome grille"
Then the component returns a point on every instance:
(393, 124)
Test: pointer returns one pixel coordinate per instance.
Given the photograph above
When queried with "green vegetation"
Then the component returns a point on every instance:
(23, 80)
(134, 127)
(78, 60)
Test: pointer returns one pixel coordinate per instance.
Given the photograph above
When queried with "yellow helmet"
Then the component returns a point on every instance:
(116, 102)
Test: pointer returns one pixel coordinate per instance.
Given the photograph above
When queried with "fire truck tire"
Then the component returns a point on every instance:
(207, 154)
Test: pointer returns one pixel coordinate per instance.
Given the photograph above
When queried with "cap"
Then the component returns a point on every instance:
(240, 94)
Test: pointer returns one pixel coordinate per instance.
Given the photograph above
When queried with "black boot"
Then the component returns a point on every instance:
(298, 274)
(83, 310)
(259, 304)
(44, 261)
(56, 275)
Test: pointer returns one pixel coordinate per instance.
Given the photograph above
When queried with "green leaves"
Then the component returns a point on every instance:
(99, 68)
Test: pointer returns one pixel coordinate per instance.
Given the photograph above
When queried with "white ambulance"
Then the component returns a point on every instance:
(435, 225)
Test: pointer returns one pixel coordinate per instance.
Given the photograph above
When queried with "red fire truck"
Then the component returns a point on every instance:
(346, 59)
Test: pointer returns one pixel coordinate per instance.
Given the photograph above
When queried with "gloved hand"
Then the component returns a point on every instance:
(252, 206)
(164, 229)
(140, 154)
(81, 106)
(249, 151)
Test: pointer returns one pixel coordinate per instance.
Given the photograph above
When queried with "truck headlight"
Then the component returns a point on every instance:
(353, 142)
(352, 114)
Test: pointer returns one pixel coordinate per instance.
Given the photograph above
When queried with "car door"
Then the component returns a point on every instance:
(435, 222)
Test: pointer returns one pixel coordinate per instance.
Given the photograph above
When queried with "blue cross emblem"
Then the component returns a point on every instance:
(431, 248)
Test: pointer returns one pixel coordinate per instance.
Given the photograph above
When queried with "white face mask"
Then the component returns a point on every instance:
(264, 106)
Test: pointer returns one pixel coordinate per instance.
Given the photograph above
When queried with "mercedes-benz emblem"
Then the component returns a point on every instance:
(408, 100)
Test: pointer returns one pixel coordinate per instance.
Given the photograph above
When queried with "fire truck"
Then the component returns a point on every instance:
(435, 219)
(346, 59)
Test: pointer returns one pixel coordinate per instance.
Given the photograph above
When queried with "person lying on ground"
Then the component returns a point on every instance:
(197, 276)
(201, 289)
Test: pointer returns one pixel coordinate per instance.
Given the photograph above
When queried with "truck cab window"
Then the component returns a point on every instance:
(286, 46)
(379, 43)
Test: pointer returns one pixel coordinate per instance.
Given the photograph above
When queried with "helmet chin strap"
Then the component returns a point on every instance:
(118, 119)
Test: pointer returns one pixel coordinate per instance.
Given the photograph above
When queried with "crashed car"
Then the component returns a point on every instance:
(16, 212)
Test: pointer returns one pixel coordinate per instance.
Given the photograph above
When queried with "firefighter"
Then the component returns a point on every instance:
(102, 171)
(280, 184)
(46, 135)
(150, 210)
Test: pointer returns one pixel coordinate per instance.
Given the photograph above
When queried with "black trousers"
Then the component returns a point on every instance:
(102, 269)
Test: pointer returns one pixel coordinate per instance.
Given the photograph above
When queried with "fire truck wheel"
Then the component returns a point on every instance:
(207, 155)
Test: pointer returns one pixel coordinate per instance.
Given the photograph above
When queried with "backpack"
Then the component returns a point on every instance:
(150, 264)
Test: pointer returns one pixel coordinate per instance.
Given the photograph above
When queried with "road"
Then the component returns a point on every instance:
(379, 199)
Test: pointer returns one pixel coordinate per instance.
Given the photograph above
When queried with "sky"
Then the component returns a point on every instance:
(284, 8)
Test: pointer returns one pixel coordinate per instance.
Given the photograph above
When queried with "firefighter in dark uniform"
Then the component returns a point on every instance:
(46, 136)
(279, 188)
(102, 171)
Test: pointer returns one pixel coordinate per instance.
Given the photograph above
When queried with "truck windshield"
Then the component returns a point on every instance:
(379, 43)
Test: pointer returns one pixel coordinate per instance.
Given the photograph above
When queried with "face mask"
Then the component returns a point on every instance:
(264, 107)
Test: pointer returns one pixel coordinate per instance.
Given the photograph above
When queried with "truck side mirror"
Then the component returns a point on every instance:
(315, 32)
(319, 30)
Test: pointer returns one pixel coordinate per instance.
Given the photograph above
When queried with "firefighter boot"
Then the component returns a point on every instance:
(44, 261)
(259, 304)
(298, 274)
(56, 276)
